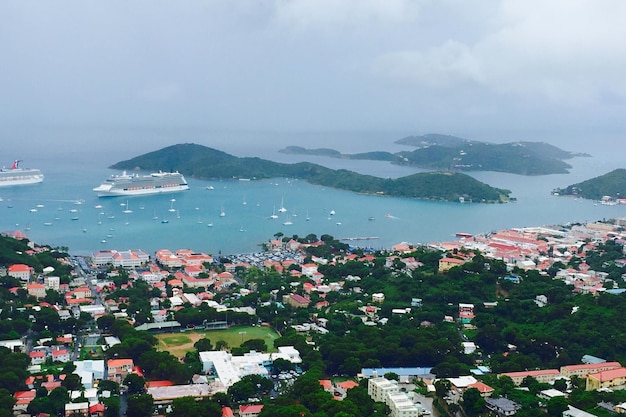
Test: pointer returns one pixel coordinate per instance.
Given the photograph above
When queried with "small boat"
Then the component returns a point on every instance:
(33, 210)
(371, 218)
(40, 206)
(210, 187)
(98, 206)
(103, 241)
(127, 210)
(47, 224)
(165, 221)
(210, 224)
(282, 208)
(75, 218)
(73, 211)
(332, 212)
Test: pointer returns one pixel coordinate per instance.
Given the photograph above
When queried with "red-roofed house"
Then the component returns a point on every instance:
(22, 399)
(119, 368)
(20, 271)
(447, 263)
(36, 290)
(298, 301)
(484, 389)
(37, 357)
(250, 410)
(327, 385)
(227, 412)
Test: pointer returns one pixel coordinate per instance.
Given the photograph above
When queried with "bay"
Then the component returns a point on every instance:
(74, 160)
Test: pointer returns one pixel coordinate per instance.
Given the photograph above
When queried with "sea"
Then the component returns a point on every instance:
(63, 211)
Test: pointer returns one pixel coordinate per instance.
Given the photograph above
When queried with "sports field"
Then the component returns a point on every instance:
(179, 343)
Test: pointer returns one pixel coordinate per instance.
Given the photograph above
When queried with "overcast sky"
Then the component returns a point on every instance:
(403, 65)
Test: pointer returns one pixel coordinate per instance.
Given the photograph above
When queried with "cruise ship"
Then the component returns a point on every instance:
(19, 176)
(131, 185)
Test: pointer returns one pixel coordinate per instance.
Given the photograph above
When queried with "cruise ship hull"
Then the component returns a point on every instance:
(109, 192)
(10, 177)
(136, 185)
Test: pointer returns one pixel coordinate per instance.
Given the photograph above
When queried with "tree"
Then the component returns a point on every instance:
(556, 406)
(473, 402)
(392, 376)
(136, 384)
(139, 405)
(203, 345)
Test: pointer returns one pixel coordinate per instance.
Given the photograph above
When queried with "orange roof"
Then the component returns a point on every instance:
(483, 388)
(609, 375)
(346, 385)
(593, 366)
(119, 362)
(326, 383)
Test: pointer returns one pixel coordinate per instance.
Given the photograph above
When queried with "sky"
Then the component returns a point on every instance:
(420, 66)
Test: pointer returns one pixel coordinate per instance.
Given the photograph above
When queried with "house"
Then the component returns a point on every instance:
(378, 297)
(446, 263)
(466, 313)
(61, 355)
(484, 389)
(298, 301)
(37, 357)
(118, 369)
(73, 409)
(20, 271)
(250, 410)
(36, 290)
(502, 406)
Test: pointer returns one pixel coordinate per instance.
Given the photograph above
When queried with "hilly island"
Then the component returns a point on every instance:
(202, 162)
(452, 153)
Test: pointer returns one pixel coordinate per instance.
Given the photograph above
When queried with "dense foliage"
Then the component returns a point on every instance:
(612, 184)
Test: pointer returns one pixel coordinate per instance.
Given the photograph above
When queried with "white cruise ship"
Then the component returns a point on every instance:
(19, 176)
(130, 185)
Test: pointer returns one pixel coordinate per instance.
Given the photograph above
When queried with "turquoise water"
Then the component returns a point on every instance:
(70, 177)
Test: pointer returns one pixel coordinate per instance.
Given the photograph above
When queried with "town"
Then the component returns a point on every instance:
(516, 322)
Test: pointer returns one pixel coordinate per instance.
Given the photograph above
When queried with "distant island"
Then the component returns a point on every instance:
(610, 186)
(451, 153)
(202, 162)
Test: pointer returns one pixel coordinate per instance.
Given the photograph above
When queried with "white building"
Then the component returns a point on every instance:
(229, 369)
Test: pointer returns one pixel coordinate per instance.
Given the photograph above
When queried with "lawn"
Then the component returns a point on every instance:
(180, 343)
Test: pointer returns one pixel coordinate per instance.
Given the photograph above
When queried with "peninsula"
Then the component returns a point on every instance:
(202, 162)
(609, 186)
(452, 153)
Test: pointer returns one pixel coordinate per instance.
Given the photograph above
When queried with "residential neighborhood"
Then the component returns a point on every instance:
(124, 332)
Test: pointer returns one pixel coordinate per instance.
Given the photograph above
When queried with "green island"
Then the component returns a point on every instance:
(202, 162)
(609, 186)
(452, 153)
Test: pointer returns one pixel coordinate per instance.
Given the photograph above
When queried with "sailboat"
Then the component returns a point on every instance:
(172, 209)
(307, 216)
(127, 210)
(282, 208)
(273, 216)
(222, 212)
(288, 221)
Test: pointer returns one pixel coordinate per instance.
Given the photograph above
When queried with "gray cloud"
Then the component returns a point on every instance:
(315, 64)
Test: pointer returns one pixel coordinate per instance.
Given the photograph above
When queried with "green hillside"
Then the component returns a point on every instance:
(612, 184)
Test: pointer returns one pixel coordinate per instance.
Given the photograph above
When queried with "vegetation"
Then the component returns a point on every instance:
(612, 184)
(451, 153)
(202, 162)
